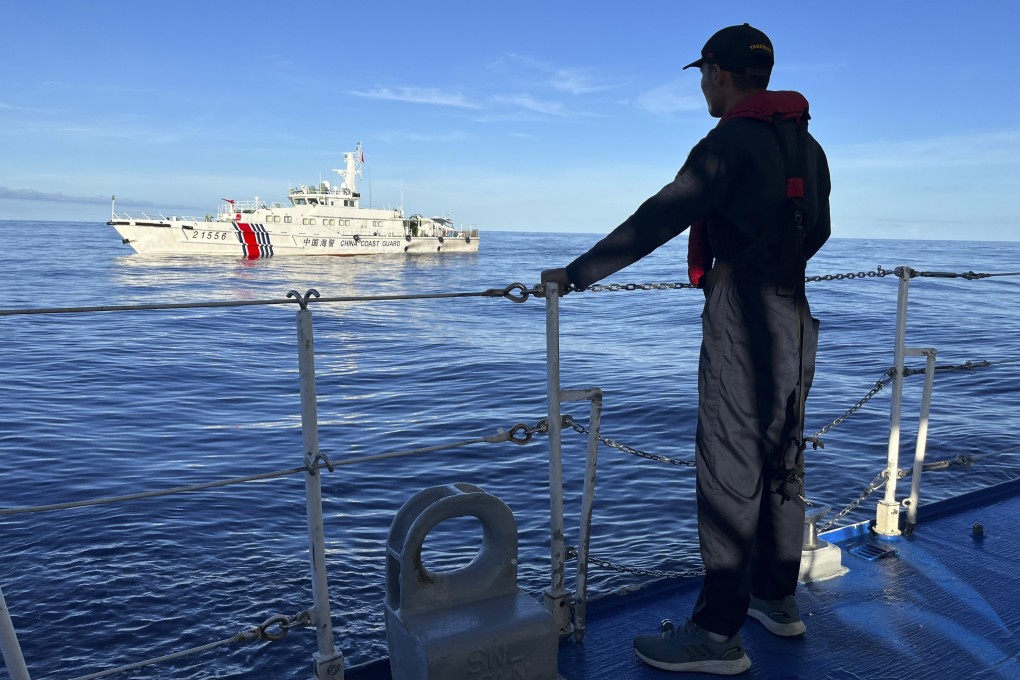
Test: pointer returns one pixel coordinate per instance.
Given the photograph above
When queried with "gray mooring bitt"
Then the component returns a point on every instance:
(472, 622)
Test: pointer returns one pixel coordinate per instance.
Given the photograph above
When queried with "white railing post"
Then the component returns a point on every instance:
(327, 662)
(888, 511)
(13, 658)
(593, 395)
(922, 434)
(557, 599)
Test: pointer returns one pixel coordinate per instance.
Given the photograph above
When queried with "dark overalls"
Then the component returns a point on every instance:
(750, 377)
(750, 381)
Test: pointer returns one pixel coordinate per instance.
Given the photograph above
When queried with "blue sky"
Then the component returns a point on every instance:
(526, 116)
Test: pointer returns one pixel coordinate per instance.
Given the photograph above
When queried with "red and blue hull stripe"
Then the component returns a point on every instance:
(254, 240)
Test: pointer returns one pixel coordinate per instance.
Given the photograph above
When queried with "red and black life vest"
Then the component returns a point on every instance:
(787, 112)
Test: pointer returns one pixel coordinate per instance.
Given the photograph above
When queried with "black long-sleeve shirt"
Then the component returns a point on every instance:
(736, 179)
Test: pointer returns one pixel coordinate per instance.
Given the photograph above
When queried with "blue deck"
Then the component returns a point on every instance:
(944, 605)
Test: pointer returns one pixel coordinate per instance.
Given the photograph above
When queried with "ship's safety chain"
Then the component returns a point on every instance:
(523, 433)
(879, 384)
(539, 291)
(878, 273)
(876, 484)
(520, 433)
(577, 427)
(879, 481)
(515, 292)
(272, 629)
(620, 287)
(571, 553)
(965, 366)
(970, 276)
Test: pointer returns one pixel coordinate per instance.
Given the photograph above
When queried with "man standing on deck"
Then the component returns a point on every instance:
(755, 191)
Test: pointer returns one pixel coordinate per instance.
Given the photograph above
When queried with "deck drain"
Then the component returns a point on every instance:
(871, 552)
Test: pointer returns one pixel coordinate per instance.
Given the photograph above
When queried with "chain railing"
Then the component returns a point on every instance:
(879, 385)
(637, 571)
(581, 429)
(273, 629)
(277, 627)
(961, 460)
(879, 272)
(626, 287)
(887, 378)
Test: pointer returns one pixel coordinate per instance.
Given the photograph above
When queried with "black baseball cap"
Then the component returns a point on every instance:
(739, 49)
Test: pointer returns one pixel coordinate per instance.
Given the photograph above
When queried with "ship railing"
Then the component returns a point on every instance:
(328, 660)
(157, 217)
(237, 206)
(566, 606)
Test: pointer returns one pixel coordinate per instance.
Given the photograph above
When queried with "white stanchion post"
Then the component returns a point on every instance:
(587, 505)
(327, 662)
(887, 519)
(922, 434)
(557, 599)
(13, 658)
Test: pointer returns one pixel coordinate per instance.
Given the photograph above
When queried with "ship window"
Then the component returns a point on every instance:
(311, 220)
(286, 218)
(347, 223)
(299, 201)
(312, 201)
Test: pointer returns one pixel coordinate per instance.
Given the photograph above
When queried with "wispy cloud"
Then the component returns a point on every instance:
(530, 103)
(51, 197)
(417, 95)
(572, 80)
(441, 138)
(964, 150)
(578, 81)
(133, 135)
(669, 99)
(56, 129)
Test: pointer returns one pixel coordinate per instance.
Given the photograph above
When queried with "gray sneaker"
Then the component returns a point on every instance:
(689, 648)
(780, 617)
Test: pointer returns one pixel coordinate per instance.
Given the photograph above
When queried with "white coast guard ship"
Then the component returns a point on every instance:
(319, 220)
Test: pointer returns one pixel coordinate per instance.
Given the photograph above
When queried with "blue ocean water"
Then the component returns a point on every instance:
(109, 403)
